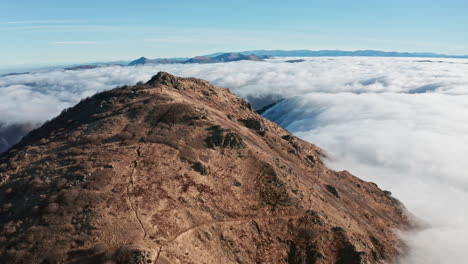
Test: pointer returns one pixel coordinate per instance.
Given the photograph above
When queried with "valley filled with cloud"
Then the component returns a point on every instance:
(398, 122)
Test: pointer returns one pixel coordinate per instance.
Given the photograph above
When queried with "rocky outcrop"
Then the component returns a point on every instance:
(180, 171)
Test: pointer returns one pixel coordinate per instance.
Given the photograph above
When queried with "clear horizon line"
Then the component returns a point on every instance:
(121, 59)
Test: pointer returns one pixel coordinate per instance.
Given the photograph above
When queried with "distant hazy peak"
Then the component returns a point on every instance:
(142, 61)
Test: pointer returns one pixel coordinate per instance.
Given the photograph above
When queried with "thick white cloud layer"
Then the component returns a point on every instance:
(41, 95)
(400, 122)
(413, 145)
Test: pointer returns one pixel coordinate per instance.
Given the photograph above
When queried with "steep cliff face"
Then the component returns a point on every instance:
(180, 171)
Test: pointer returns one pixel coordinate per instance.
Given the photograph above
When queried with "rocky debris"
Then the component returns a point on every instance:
(116, 179)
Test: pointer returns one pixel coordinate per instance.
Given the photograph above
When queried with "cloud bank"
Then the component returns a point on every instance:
(413, 145)
(75, 42)
(41, 95)
(399, 122)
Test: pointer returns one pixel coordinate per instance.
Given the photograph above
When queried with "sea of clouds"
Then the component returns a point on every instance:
(399, 122)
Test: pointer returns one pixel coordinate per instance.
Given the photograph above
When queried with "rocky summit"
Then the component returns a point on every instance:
(177, 170)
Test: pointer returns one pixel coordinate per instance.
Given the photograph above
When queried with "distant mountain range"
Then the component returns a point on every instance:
(223, 57)
(82, 67)
(337, 53)
(170, 60)
(254, 55)
(259, 55)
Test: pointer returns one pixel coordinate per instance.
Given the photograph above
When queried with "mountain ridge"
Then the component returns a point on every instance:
(224, 57)
(141, 61)
(338, 53)
(263, 54)
(179, 170)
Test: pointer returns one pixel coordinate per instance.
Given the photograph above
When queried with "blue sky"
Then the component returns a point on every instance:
(54, 32)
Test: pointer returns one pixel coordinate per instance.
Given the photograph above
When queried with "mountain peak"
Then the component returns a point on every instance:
(147, 174)
(163, 78)
(141, 61)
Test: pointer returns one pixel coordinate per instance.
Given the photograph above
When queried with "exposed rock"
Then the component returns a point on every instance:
(338, 229)
(216, 137)
(199, 167)
(165, 79)
(134, 255)
(237, 183)
(116, 179)
(233, 141)
(255, 124)
(349, 255)
(222, 138)
(303, 254)
(332, 190)
(312, 159)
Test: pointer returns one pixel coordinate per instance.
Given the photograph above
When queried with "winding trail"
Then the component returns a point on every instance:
(241, 219)
(130, 187)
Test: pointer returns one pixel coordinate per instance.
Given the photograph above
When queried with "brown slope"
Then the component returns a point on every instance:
(180, 171)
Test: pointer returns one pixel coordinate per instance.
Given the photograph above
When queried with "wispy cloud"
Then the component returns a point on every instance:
(62, 27)
(38, 22)
(185, 40)
(74, 42)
